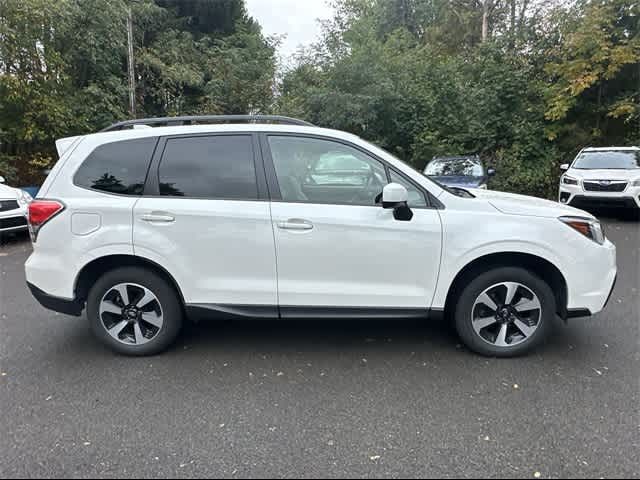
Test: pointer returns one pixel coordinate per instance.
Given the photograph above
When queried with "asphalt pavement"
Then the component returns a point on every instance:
(319, 399)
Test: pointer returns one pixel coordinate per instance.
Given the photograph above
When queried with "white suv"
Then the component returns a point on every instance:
(146, 226)
(598, 177)
(13, 208)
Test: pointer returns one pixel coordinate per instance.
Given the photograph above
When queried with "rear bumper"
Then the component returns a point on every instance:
(61, 305)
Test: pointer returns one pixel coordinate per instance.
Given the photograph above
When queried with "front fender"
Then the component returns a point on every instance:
(469, 236)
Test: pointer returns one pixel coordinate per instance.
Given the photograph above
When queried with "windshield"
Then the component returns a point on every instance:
(610, 160)
(464, 167)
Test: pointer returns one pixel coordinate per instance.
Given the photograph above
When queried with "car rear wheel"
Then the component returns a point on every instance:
(134, 312)
(505, 312)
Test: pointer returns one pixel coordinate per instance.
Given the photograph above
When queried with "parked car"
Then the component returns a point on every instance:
(32, 190)
(145, 227)
(602, 177)
(13, 208)
(459, 172)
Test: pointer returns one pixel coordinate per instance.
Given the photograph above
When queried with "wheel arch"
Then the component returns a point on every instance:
(93, 270)
(542, 267)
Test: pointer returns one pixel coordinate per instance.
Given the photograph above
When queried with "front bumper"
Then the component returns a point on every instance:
(13, 221)
(585, 312)
(591, 277)
(577, 196)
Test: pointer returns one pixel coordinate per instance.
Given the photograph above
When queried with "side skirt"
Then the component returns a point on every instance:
(213, 311)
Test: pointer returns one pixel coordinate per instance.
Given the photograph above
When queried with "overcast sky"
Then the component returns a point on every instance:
(297, 19)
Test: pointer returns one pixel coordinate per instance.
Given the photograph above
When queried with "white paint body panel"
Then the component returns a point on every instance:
(233, 252)
(356, 256)
(218, 251)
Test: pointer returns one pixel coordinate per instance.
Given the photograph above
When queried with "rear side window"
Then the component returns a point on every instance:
(216, 167)
(119, 167)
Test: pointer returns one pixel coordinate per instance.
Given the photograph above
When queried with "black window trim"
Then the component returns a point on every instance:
(274, 187)
(152, 186)
(122, 195)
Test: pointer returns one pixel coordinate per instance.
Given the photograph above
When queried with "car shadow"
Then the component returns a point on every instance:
(436, 336)
(317, 335)
(13, 238)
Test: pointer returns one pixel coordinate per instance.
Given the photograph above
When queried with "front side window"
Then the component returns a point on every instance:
(118, 167)
(215, 167)
(616, 160)
(314, 170)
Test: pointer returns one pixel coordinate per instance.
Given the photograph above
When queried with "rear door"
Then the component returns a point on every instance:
(205, 218)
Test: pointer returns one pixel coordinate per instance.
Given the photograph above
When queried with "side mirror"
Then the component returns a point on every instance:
(395, 196)
(491, 172)
(564, 167)
(2, 180)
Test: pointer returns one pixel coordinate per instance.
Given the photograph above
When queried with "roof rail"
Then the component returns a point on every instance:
(203, 119)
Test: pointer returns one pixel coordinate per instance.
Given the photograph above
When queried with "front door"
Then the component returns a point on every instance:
(336, 249)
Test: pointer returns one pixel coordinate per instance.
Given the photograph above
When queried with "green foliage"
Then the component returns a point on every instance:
(524, 83)
(63, 68)
(416, 77)
(596, 74)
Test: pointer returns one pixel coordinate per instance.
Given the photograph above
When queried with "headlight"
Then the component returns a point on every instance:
(24, 199)
(636, 183)
(569, 180)
(588, 227)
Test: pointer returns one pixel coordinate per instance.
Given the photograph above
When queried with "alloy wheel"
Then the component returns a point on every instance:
(131, 314)
(506, 314)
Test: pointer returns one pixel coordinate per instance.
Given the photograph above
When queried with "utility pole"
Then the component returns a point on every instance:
(131, 64)
(485, 20)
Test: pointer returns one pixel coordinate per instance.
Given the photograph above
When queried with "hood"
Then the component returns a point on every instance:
(603, 174)
(513, 204)
(462, 181)
(8, 193)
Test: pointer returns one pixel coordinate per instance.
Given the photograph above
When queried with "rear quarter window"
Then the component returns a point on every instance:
(118, 167)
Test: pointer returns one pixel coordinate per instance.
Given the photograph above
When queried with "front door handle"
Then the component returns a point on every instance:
(295, 224)
(158, 218)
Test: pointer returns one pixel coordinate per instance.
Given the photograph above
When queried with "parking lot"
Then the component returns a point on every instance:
(300, 399)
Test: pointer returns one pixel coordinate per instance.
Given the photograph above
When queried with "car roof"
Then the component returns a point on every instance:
(117, 135)
(611, 149)
(458, 157)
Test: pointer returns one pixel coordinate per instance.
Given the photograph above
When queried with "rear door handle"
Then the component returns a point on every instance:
(158, 218)
(295, 224)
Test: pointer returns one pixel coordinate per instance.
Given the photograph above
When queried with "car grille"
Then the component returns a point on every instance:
(13, 222)
(605, 186)
(6, 205)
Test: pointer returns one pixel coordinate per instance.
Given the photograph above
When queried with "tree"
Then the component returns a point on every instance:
(63, 68)
(596, 74)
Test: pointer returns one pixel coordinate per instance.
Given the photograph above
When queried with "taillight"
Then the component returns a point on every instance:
(40, 212)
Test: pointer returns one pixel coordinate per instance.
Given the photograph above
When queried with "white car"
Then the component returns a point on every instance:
(13, 208)
(147, 226)
(603, 177)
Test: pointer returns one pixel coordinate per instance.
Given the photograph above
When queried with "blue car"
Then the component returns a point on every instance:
(459, 172)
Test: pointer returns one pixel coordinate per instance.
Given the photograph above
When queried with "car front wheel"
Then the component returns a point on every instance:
(134, 311)
(505, 312)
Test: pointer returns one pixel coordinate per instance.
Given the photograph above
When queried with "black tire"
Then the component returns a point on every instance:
(477, 285)
(166, 296)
